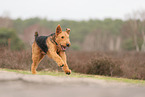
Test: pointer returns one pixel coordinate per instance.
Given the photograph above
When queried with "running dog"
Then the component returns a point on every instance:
(54, 46)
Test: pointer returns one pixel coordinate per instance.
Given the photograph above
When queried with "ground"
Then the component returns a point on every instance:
(14, 84)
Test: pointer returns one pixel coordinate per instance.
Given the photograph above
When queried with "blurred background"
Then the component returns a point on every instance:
(107, 37)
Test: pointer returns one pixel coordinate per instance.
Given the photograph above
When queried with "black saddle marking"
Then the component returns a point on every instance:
(41, 42)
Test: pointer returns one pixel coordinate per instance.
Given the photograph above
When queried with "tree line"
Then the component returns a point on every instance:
(92, 35)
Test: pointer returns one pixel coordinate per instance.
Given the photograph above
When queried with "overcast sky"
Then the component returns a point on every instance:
(69, 9)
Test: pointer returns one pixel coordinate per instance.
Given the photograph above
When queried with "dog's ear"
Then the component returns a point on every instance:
(68, 30)
(58, 29)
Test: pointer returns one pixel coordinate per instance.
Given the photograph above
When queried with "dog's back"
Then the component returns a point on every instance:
(41, 42)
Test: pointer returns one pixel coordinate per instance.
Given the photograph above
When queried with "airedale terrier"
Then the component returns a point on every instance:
(54, 46)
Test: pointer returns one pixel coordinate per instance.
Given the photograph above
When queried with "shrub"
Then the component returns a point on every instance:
(22, 60)
(104, 66)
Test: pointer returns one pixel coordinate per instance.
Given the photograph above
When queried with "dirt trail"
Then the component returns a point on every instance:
(20, 85)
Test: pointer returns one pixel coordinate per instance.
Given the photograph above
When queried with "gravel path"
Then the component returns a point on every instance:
(20, 85)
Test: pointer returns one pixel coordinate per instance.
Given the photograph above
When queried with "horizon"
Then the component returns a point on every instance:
(63, 19)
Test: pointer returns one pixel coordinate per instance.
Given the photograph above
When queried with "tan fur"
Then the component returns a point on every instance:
(54, 51)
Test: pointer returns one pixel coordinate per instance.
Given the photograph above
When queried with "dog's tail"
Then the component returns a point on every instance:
(36, 35)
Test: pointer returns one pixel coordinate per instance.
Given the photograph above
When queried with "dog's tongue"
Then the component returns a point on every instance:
(63, 48)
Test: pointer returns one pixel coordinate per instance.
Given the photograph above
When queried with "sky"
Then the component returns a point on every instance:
(69, 9)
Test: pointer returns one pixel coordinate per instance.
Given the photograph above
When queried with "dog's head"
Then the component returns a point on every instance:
(62, 37)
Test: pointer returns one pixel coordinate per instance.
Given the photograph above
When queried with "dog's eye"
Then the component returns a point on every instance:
(62, 37)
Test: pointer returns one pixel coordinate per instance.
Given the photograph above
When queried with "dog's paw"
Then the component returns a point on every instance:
(68, 72)
(62, 65)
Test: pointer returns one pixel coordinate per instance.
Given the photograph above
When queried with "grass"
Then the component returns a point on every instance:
(78, 75)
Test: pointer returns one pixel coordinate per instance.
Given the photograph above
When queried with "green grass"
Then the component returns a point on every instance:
(78, 75)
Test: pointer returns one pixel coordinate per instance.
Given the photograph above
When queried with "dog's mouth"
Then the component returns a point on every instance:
(63, 47)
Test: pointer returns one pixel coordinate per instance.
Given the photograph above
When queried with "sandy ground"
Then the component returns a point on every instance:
(20, 85)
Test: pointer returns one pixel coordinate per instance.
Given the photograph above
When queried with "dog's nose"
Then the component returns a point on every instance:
(67, 45)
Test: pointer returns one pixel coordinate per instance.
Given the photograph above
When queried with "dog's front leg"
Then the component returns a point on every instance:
(65, 67)
(56, 58)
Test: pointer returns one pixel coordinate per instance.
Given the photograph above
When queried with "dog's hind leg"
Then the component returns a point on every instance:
(36, 60)
(37, 56)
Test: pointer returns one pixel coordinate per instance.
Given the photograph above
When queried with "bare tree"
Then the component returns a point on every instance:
(142, 17)
(135, 27)
(118, 44)
(99, 41)
(28, 34)
(5, 21)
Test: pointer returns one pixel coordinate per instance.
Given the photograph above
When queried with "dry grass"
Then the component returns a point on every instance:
(120, 64)
(22, 60)
(123, 64)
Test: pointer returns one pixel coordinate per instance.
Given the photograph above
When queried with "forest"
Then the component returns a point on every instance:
(92, 35)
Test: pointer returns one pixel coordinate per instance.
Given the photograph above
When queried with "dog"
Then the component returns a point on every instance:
(54, 46)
